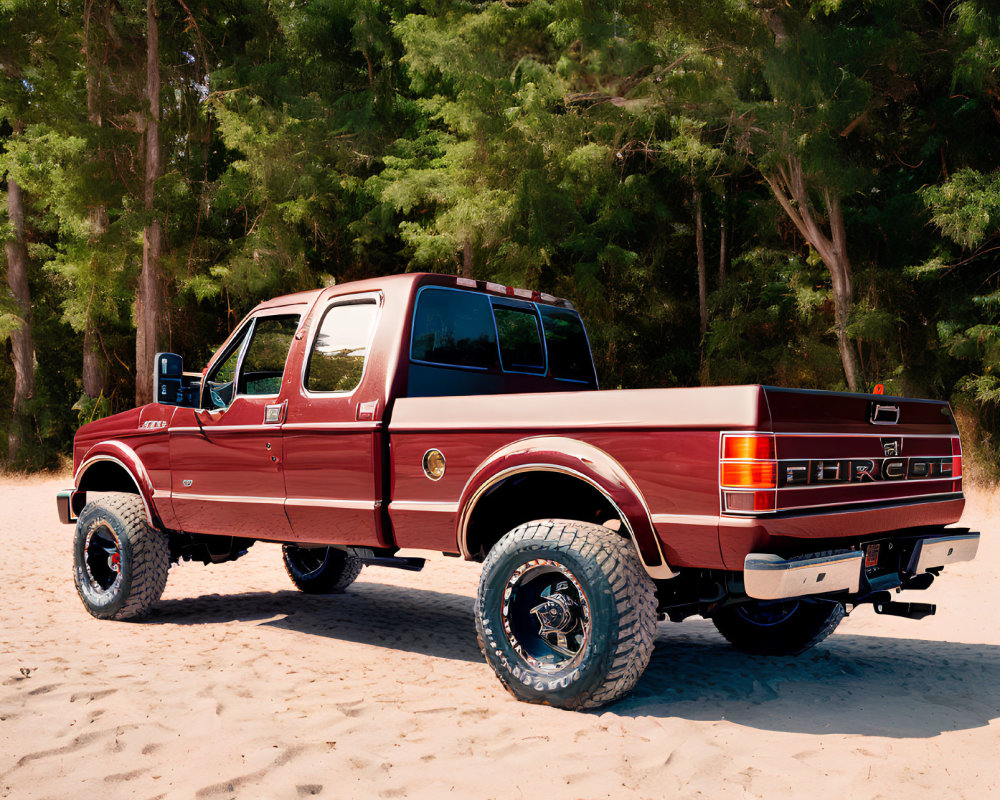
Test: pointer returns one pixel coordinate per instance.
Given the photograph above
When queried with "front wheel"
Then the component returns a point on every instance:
(783, 628)
(320, 570)
(566, 614)
(120, 562)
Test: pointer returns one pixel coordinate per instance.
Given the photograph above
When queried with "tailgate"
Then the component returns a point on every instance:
(837, 449)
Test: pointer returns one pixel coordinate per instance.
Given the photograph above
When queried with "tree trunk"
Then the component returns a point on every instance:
(22, 347)
(94, 371)
(843, 289)
(788, 186)
(149, 298)
(699, 243)
(722, 242)
(466, 259)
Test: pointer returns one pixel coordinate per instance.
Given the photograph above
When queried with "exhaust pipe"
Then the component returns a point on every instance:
(908, 610)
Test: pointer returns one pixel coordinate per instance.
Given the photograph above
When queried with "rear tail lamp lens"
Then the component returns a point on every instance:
(750, 474)
(749, 462)
(750, 501)
(748, 447)
(956, 457)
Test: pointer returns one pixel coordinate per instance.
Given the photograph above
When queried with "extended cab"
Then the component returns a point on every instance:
(431, 412)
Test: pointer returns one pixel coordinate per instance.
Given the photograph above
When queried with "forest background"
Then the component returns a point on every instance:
(787, 192)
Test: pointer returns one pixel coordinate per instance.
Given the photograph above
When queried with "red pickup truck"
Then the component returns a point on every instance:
(438, 413)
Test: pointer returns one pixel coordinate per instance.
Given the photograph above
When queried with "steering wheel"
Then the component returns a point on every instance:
(216, 394)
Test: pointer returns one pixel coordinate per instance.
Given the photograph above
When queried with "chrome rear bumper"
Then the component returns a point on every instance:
(939, 551)
(770, 577)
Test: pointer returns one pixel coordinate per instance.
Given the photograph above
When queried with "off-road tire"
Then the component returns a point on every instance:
(778, 629)
(320, 570)
(140, 552)
(603, 572)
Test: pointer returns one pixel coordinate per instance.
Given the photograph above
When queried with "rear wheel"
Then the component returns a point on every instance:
(320, 570)
(566, 614)
(120, 562)
(782, 628)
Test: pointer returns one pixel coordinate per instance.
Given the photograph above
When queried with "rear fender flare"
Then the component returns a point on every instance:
(125, 457)
(584, 462)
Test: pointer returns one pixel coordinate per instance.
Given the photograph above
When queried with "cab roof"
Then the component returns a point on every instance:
(408, 281)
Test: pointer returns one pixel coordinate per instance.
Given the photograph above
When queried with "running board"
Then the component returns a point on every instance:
(396, 562)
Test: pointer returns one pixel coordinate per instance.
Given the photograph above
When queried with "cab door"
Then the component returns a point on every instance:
(333, 435)
(227, 457)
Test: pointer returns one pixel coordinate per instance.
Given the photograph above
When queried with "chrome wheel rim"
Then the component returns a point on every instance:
(102, 554)
(546, 615)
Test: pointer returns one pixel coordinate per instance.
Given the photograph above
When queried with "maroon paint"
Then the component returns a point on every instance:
(233, 462)
(654, 452)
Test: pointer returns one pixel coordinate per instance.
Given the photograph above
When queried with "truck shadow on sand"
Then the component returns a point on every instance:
(850, 684)
(420, 621)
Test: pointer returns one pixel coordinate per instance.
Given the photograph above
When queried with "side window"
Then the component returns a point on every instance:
(566, 341)
(454, 328)
(264, 362)
(220, 383)
(520, 340)
(337, 360)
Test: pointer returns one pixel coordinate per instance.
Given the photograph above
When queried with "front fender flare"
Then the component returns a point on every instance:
(125, 457)
(583, 461)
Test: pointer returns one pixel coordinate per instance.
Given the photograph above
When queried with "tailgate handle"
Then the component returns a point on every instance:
(883, 414)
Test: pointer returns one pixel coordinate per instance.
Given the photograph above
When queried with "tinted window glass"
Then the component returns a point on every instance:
(338, 356)
(264, 362)
(569, 353)
(221, 381)
(520, 341)
(451, 327)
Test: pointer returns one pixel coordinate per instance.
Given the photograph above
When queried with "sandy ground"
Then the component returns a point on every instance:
(240, 687)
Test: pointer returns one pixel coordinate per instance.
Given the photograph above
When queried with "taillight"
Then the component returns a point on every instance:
(749, 501)
(748, 463)
(750, 474)
(747, 447)
(956, 462)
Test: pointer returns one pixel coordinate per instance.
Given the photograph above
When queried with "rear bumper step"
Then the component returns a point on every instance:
(771, 577)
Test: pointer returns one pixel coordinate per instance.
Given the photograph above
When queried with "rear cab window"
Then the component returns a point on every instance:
(519, 337)
(567, 344)
(454, 328)
(457, 330)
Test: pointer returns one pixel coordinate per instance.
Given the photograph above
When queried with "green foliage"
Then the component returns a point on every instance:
(768, 326)
(967, 207)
